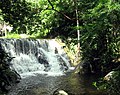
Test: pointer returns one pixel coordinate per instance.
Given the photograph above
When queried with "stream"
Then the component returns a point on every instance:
(40, 84)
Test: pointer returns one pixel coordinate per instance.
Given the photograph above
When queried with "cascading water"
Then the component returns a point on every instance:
(28, 51)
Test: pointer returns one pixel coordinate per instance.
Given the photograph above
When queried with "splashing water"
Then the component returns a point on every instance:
(26, 63)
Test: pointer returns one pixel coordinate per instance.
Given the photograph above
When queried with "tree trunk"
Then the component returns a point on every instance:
(78, 30)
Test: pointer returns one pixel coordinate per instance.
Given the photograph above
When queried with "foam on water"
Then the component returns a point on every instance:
(25, 61)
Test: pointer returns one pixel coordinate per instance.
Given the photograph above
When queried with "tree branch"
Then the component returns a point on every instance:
(51, 4)
(59, 11)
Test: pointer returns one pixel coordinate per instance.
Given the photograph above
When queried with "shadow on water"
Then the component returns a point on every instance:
(73, 84)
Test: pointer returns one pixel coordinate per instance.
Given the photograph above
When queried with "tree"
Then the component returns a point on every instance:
(77, 21)
(98, 35)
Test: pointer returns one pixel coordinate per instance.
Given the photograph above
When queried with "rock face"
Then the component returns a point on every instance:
(8, 77)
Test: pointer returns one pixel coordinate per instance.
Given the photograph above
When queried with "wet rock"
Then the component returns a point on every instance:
(56, 50)
(109, 76)
(63, 65)
(60, 92)
(42, 60)
(47, 68)
(8, 77)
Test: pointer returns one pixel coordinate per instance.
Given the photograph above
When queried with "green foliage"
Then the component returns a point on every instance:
(13, 35)
(1, 17)
(15, 13)
(112, 86)
(24, 16)
(100, 31)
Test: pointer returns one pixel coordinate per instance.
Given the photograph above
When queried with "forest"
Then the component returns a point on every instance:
(91, 25)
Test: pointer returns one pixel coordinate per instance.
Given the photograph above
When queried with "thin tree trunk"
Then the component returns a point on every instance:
(78, 30)
(77, 21)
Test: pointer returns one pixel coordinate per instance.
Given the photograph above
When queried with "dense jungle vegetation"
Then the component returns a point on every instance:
(92, 23)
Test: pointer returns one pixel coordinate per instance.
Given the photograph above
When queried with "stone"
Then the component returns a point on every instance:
(60, 92)
(56, 50)
(24, 35)
(109, 76)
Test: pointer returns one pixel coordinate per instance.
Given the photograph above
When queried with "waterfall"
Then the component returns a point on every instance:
(36, 56)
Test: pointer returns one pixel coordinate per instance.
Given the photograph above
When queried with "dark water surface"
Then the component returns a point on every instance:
(73, 84)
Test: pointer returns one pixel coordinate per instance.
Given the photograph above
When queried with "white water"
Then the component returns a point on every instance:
(25, 62)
